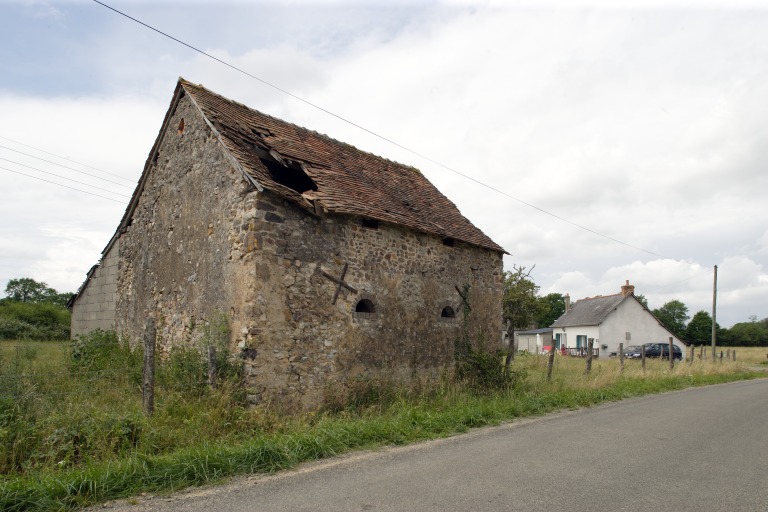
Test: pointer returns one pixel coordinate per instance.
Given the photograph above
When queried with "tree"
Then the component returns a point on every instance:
(673, 315)
(748, 334)
(641, 298)
(520, 304)
(25, 289)
(699, 330)
(550, 308)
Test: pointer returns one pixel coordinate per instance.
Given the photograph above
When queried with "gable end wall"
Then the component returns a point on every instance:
(203, 242)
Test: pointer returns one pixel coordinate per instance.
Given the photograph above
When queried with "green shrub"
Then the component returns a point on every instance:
(359, 394)
(33, 321)
(185, 371)
(103, 350)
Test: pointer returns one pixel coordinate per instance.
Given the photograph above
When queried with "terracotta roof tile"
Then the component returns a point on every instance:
(349, 181)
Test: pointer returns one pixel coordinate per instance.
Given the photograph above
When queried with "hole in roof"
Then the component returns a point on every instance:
(291, 175)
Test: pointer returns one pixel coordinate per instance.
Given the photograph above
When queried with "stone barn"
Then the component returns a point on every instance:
(328, 263)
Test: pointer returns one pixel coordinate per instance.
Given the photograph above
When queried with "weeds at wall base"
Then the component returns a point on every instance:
(258, 441)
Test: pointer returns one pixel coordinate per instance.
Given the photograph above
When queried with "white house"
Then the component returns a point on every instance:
(610, 320)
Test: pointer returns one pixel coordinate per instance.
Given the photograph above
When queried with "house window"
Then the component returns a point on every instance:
(581, 340)
(448, 312)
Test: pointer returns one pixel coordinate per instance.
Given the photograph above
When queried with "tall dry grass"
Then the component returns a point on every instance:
(81, 438)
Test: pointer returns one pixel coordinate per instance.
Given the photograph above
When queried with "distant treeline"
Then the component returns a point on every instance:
(33, 311)
(698, 331)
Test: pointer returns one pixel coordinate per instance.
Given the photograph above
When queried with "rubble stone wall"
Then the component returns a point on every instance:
(204, 241)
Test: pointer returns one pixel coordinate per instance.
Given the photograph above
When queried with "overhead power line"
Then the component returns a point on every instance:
(60, 185)
(68, 159)
(64, 166)
(377, 135)
(64, 177)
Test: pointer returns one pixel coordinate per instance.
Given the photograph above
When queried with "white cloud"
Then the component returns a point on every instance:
(638, 120)
(55, 234)
(42, 9)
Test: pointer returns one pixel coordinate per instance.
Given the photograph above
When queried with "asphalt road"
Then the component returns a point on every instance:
(703, 449)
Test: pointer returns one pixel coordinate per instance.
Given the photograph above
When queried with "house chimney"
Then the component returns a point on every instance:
(567, 302)
(627, 289)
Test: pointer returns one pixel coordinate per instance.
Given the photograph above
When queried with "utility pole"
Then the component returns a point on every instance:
(714, 316)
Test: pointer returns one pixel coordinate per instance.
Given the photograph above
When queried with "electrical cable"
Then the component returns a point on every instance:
(64, 166)
(64, 177)
(60, 185)
(371, 132)
(65, 158)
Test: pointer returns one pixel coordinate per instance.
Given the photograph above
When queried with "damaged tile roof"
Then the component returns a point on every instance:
(344, 179)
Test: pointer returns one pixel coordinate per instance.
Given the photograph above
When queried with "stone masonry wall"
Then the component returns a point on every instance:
(94, 307)
(204, 241)
(300, 344)
(175, 259)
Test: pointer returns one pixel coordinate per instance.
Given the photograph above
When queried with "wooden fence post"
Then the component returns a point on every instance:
(642, 356)
(212, 366)
(671, 354)
(551, 363)
(621, 357)
(721, 357)
(728, 355)
(148, 372)
(734, 355)
(590, 345)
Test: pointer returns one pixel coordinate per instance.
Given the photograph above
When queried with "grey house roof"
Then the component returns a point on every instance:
(590, 311)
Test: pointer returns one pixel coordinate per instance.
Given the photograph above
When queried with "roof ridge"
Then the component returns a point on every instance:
(350, 181)
(186, 83)
(599, 297)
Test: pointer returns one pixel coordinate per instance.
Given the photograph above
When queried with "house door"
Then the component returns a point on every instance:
(581, 341)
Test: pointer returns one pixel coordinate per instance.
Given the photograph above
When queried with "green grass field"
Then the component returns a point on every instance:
(72, 431)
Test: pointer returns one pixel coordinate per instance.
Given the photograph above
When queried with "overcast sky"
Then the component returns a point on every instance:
(644, 122)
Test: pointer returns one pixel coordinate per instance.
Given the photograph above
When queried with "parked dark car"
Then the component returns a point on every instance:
(626, 351)
(655, 350)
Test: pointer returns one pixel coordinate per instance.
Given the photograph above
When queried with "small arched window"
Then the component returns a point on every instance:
(447, 313)
(365, 306)
(365, 309)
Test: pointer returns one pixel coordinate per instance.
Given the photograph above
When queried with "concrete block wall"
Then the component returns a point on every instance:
(94, 307)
